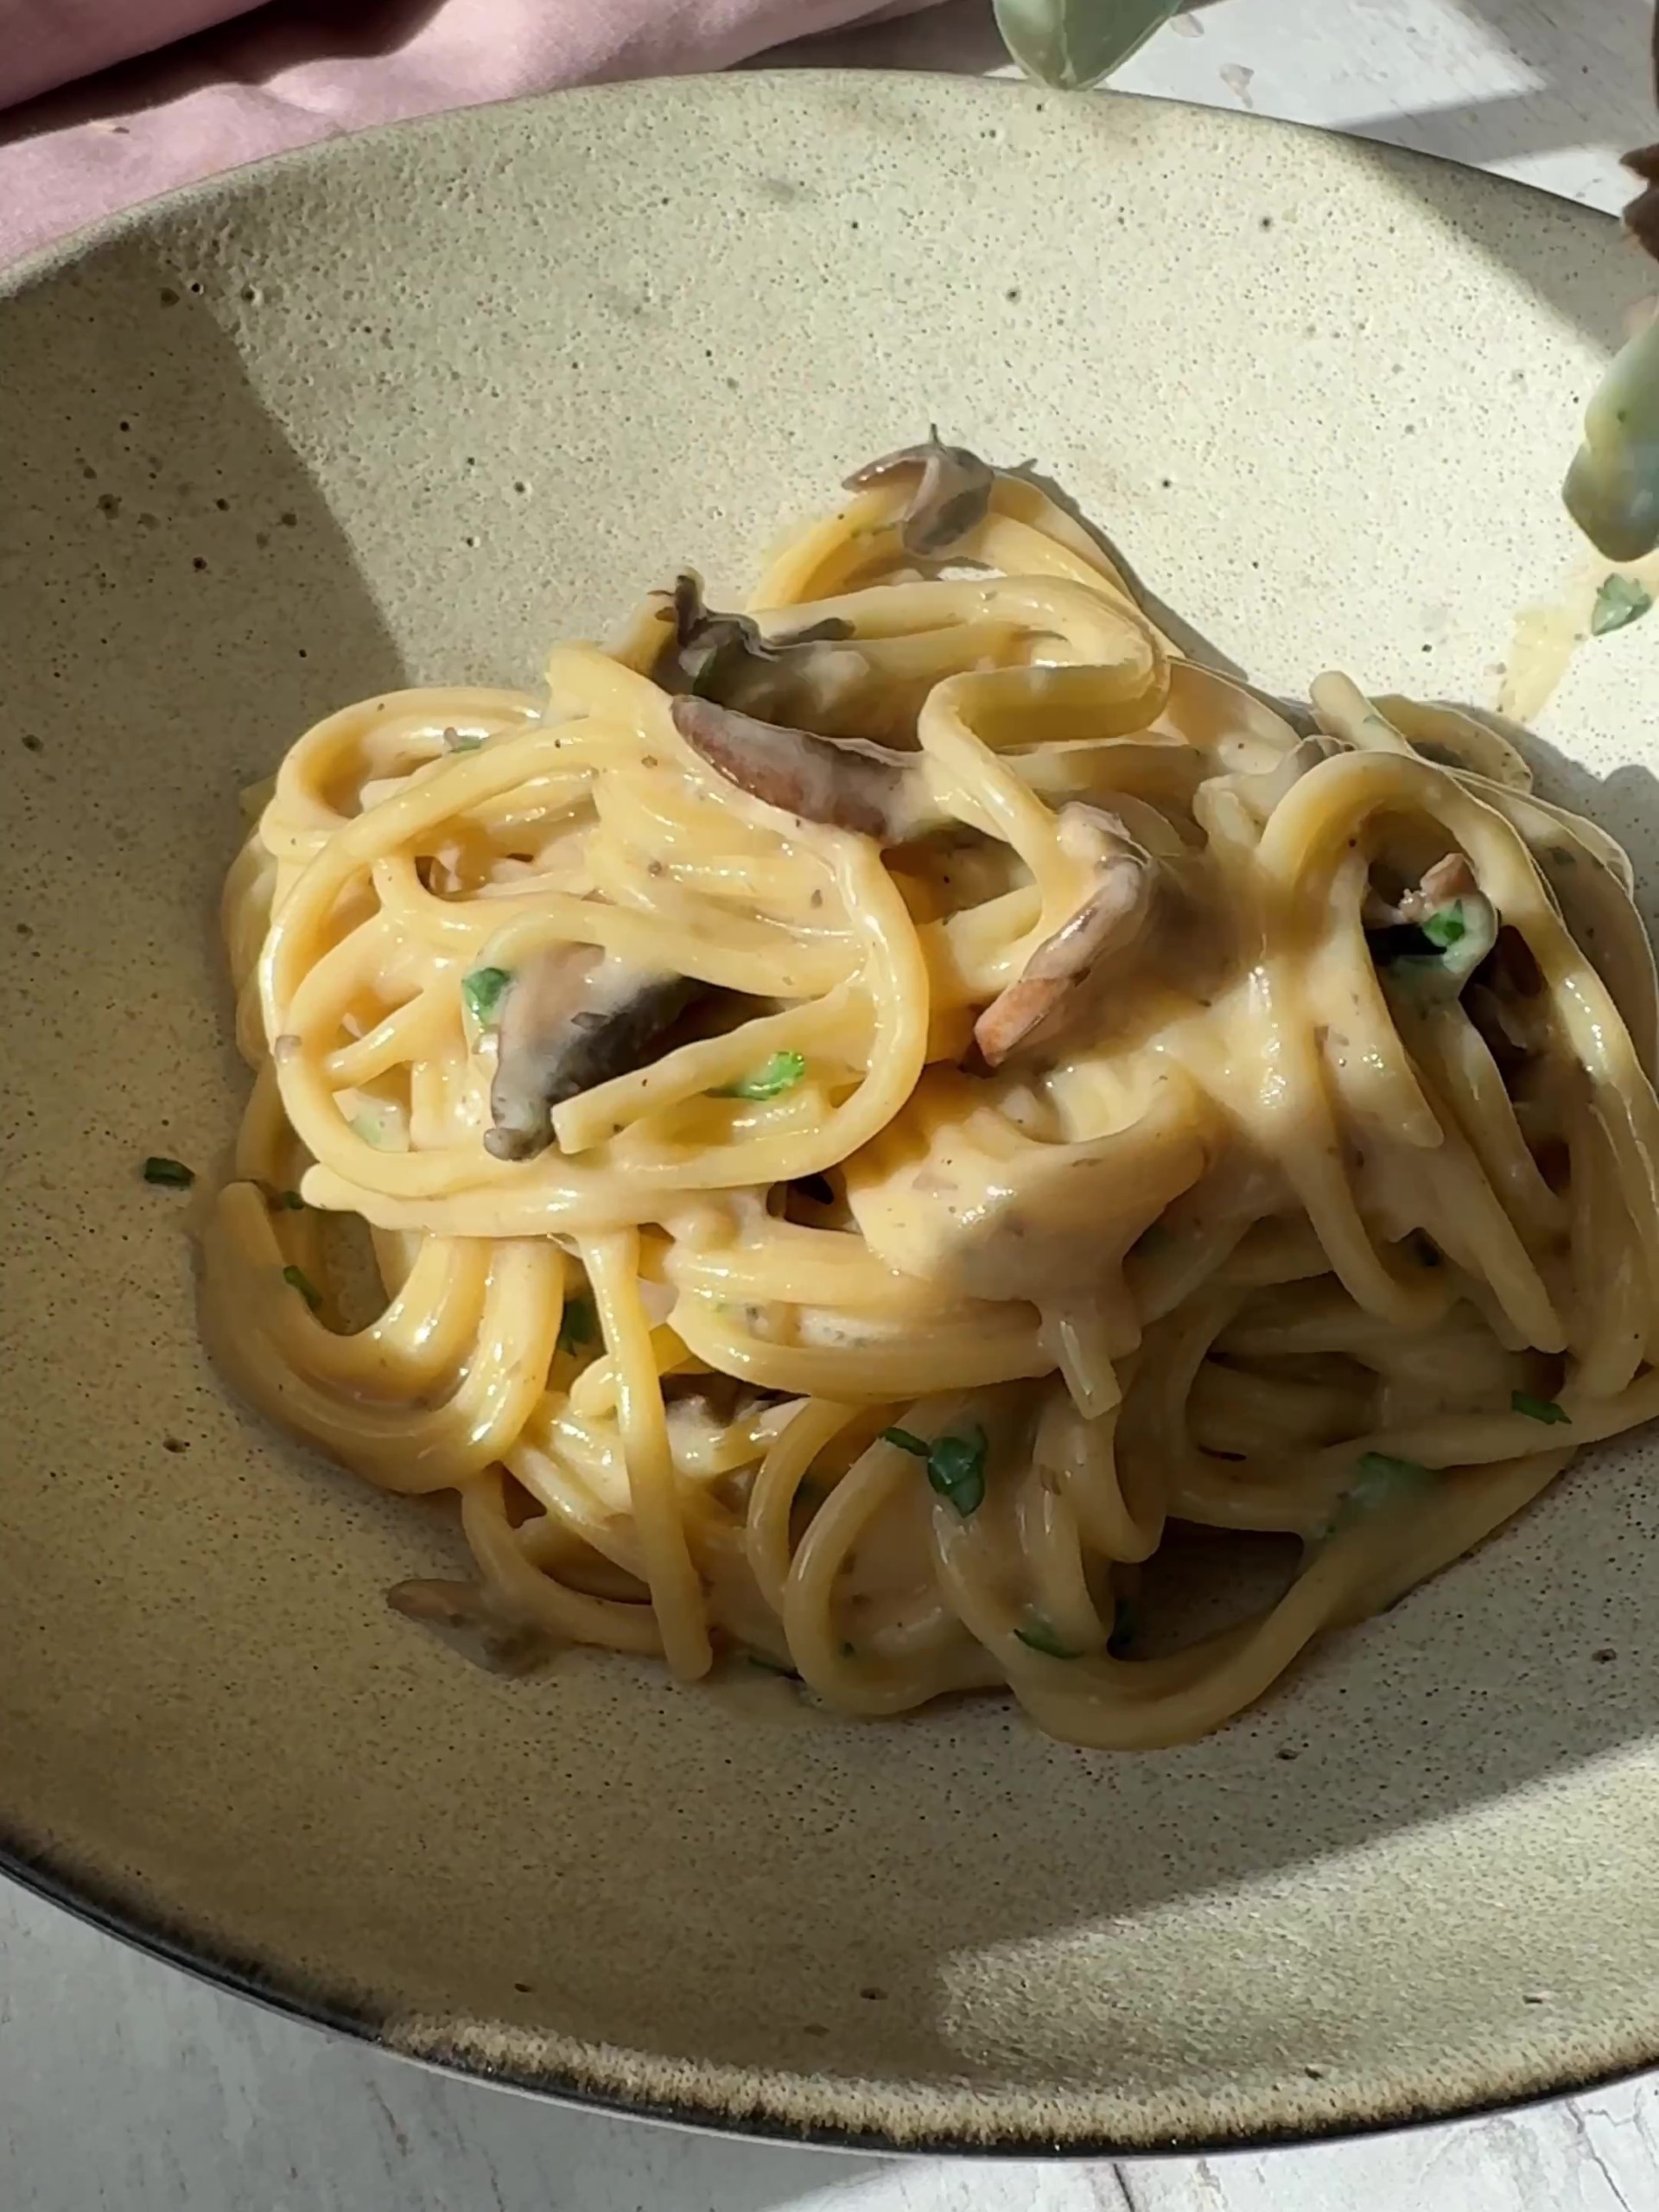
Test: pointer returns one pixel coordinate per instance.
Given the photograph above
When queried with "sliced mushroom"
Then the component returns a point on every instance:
(952, 494)
(1641, 215)
(468, 1619)
(810, 673)
(1110, 919)
(848, 782)
(573, 1017)
(1448, 881)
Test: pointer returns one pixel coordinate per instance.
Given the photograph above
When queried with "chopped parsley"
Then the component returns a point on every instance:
(1038, 1634)
(482, 992)
(1621, 600)
(296, 1278)
(955, 1465)
(1441, 951)
(578, 1326)
(287, 1202)
(169, 1174)
(1381, 1481)
(905, 1441)
(1380, 1468)
(1544, 1409)
(1447, 927)
(781, 1073)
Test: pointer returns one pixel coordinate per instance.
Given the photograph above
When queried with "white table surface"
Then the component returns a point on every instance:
(125, 2085)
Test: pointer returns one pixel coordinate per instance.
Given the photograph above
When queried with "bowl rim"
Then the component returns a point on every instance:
(96, 1905)
(167, 1937)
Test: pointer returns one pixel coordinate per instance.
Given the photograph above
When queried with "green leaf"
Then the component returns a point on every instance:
(955, 1465)
(1544, 1409)
(1038, 1636)
(1620, 600)
(170, 1175)
(956, 1469)
(288, 1202)
(578, 1324)
(481, 993)
(1382, 1482)
(1072, 44)
(1448, 927)
(296, 1278)
(918, 1446)
(781, 1073)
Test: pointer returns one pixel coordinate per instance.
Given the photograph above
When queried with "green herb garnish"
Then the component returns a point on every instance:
(1038, 1635)
(296, 1278)
(482, 992)
(1544, 1409)
(781, 1073)
(170, 1175)
(918, 1446)
(465, 744)
(288, 1202)
(1379, 1467)
(1621, 600)
(1447, 927)
(578, 1324)
(1381, 1481)
(955, 1465)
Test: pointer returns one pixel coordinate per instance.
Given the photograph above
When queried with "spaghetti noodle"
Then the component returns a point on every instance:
(884, 1122)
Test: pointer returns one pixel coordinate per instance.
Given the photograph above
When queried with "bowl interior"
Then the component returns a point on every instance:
(408, 408)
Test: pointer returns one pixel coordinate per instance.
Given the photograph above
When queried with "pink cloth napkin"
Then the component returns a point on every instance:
(255, 81)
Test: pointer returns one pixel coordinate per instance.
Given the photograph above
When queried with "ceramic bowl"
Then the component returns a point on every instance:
(408, 407)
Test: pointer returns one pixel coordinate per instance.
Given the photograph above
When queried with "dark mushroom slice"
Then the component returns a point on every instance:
(725, 657)
(848, 783)
(573, 1017)
(952, 494)
(1110, 919)
(464, 1615)
(1642, 216)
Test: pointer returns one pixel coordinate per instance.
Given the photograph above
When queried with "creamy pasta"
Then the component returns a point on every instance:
(904, 1134)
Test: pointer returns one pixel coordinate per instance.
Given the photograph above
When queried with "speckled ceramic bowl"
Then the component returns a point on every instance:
(407, 408)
